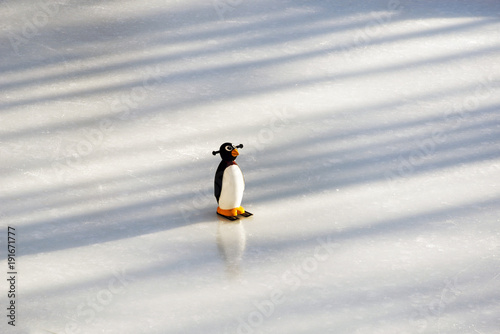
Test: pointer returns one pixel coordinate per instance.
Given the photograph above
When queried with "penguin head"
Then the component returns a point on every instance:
(228, 152)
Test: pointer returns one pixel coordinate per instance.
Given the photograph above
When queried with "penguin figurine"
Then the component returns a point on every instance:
(229, 183)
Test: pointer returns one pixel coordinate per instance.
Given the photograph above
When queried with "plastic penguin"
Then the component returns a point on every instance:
(229, 183)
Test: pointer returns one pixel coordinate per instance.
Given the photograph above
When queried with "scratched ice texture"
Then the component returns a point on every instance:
(371, 134)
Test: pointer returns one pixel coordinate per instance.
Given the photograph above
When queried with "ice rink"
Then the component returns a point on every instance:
(371, 134)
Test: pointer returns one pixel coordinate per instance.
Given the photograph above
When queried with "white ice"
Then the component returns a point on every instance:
(371, 134)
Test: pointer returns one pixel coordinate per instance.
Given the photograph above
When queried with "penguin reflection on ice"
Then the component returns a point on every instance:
(231, 242)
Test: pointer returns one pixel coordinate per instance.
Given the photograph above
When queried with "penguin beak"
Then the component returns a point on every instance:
(234, 153)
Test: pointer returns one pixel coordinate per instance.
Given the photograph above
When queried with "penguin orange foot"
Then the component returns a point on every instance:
(228, 214)
(231, 212)
(243, 212)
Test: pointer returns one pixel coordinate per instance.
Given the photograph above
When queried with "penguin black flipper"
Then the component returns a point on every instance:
(218, 179)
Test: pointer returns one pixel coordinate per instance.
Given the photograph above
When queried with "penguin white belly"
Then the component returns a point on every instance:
(233, 185)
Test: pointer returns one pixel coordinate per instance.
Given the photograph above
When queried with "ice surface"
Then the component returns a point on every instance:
(371, 160)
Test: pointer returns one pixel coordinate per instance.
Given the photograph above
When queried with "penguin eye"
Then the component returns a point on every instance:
(229, 148)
